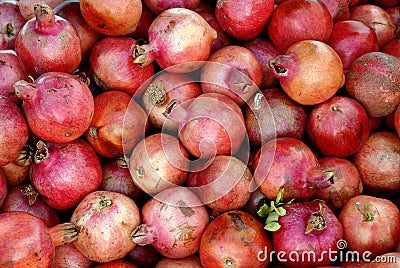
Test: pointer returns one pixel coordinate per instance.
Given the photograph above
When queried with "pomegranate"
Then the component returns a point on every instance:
(118, 51)
(117, 178)
(26, 7)
(167, 90)
(145, 256)
(223, 39)
(159, 161)
(26, 199)
(394, 13)
(17, 249)
(173, 223)
(376, 221)
(142, 27)
(233, 71)
(340, 10)
(87, 35)
(375, 124)
(310, 72)
(63, 173)
(308, 235)
(67, 256)
(104, 221)
(11, 22)
(264, 51)
(15, 173)
(396, 120)
(58, 39)
(112, 18)
(108, 124)
(204, 132)
(116, 264)
(296, 20)
(378, 19)
(192, 261)
(392, 48)
(58, 106)
(234, 239)
(3, 188)
(348, 126)
(158, 6)
(271, 114)
(346, 182)
(13, 131)
(224, 184)
(351, 39)
(374, 79)
(178, 37)
(378, 162)
(11, 71)
(290, 164)
(388, 260)
(243, 25)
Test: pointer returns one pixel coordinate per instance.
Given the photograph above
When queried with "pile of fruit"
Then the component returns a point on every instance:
(199, 133)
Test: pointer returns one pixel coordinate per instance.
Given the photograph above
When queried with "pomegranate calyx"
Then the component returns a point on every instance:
(24, 90)
(175, 112)
(63, 233)
(41, 153)
(31, 194)
(258, 97)
(316, 221)
(220, 3)
(25, 157)
(367, 216)
(156, 95)
(273, 212)
(10, 31)
(143, 235)
(143, 55)
(121, 162)
(140, 172)
(44, 14)
(104, 202)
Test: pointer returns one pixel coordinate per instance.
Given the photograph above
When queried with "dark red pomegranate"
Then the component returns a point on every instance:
(118, 51)
(223, 39)
(63, 173)
(392, 48)
(290, 164)
(112, 18)
(271, 114)
(11, 71)
(158, 6)
(348, 126)
(142, 28)
(394, 13)
(351, 39)
(240, 24)
(3, 188)
(58, 106)
(11, 22)
(339, 9)
(145, 256)
(296, 20)
(45, 38)
(26, 199)
(68, 256)
(13, 131)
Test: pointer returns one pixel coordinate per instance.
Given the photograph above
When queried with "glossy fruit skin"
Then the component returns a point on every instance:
(291, 237)
(244, 25)
(71, 171)
(104, 222)
(378, 235)
(310, 72)
(34, 250)
(58, 106)
(118, 51)
(234, 238)
(293, 21)
(58, 40)
(348, 126)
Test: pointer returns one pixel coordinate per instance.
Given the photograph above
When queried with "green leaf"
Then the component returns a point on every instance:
(264, 210)
(280, 211)
(279, 197)
(272, 226)
(272, 217)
